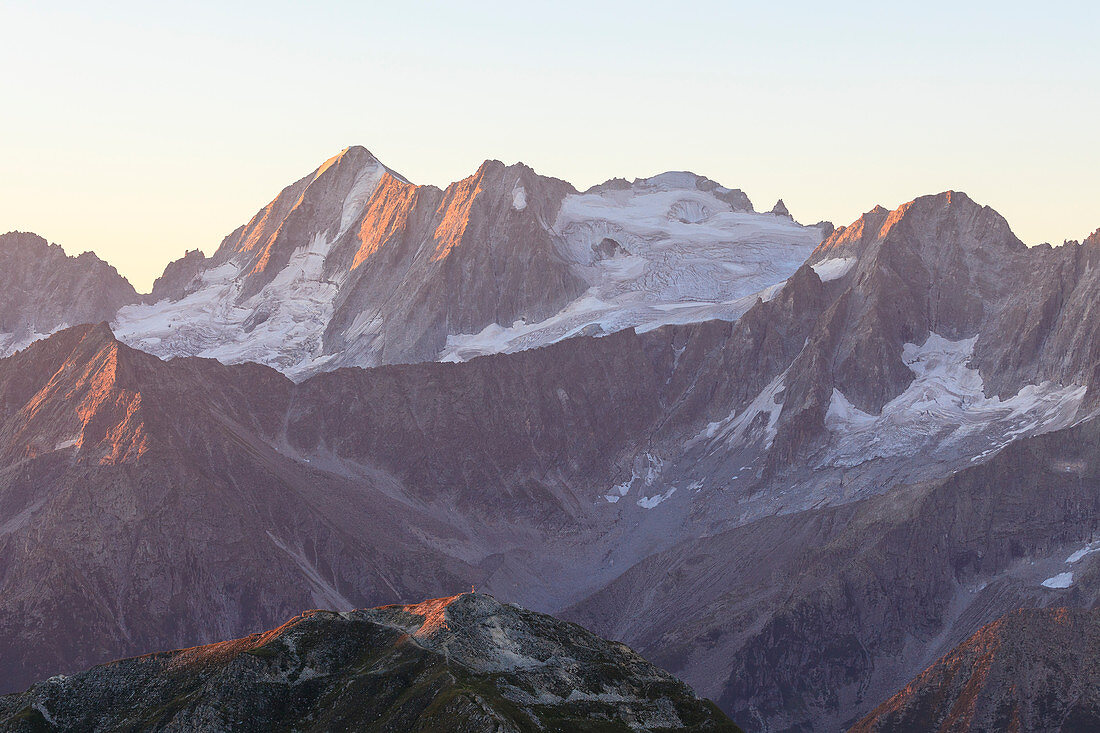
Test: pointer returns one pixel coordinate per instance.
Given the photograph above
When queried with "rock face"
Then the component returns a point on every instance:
(1031, 670)
(172, 284)
(465, 663)
(42, 290)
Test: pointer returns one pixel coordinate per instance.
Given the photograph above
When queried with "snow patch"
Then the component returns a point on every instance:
(647, 467)
(41, 708)
(1080, 554)
(757, 421)
(833, 268)
(1061, 580)
(648, 502)
(359, 194)
(519, 197)
(945, 405)
(13, 342)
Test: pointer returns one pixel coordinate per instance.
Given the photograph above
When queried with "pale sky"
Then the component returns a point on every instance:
(139, 132)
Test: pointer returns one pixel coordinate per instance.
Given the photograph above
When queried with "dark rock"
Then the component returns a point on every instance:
(608, 248)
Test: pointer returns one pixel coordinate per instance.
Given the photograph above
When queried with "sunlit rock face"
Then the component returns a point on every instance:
(42, 290)
(355, 266)
(1030, 670)
(464, 663)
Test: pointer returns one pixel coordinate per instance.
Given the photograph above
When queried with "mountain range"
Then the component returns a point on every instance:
(354, 266)
(794, 466)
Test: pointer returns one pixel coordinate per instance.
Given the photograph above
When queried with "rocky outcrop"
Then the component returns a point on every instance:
(1030, 670)
(178, 277)
(42, 290)
(464, 663)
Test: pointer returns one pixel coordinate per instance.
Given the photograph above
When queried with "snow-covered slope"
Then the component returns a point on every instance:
(674, 248)
(279, 321)
(355, 266)
(944, 411)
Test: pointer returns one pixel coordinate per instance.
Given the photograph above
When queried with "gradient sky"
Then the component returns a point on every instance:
(141, 132)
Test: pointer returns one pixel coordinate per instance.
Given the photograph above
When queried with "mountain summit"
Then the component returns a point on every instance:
(465, 663)
(353, 265)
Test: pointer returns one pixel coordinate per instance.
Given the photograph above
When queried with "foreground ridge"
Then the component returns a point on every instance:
(467, 663)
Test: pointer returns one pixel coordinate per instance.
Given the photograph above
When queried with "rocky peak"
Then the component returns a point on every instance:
(42, 289)
(939, 264)
(34, 249)
(480, 632)
(780, 209)
(324, 204)
(82, 398)
(933, 223)
(24, 244)
(177, 276)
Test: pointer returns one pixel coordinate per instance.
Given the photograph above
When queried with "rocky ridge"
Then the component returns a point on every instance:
(464, 663)
(353, 265)
(43, 290)
(1030, 670)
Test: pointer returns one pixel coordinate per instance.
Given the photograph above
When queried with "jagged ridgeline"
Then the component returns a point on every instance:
(466, 663)
(353, 265)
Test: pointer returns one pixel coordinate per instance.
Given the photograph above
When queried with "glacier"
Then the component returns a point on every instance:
(656, 253)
